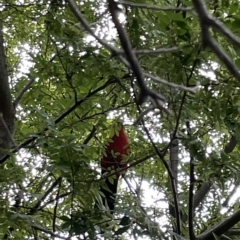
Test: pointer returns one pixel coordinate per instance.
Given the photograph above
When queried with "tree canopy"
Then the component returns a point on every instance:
(70, 71)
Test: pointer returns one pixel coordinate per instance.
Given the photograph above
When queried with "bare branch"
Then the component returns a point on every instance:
(170, 84)
(153, 7)
(209, 20)
(220, 228)
(223, 56)
(206, 21)
(148, 52)
(140, 117)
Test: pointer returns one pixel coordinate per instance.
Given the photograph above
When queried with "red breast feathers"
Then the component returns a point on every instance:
(115, 151)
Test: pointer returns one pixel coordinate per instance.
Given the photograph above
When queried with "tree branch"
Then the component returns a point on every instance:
(154, 7)
(220, 228)
(59, 119)
(205, 188)
(37, 205)
(206, 20)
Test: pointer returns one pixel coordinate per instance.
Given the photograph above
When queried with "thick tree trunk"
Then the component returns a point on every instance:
(6, 106)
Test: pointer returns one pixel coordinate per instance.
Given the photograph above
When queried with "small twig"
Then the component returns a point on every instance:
(148, 52)
(22, 92)
(53, 200)
(170, 84)
(38, 204)
(141, 160)
(55, 207)
(52, 234)
(90, 136)
(142, 114)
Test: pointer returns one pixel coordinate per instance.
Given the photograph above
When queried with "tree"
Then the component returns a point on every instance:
(168, 71)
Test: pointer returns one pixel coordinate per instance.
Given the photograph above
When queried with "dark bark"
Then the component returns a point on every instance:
(6, 106)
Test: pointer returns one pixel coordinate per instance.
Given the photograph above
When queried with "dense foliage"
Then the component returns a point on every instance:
(71, 88)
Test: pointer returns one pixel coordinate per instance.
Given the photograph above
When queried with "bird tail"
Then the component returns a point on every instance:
(108, 195)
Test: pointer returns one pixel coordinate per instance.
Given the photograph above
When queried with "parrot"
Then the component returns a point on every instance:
(116, 149)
